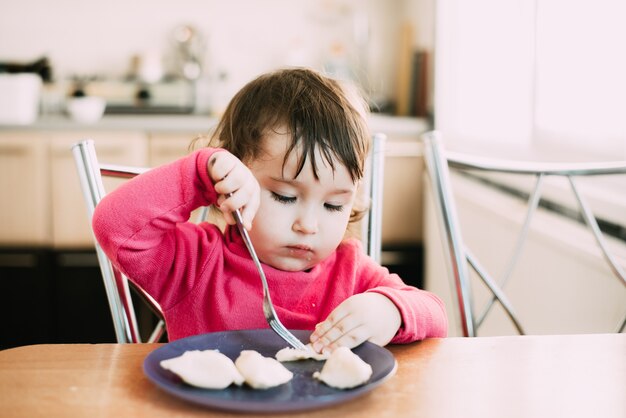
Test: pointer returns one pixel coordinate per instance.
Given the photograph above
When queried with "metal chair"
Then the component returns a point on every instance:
(459, 257)
(117, 285)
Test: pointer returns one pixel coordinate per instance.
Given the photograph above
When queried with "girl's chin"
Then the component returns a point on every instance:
(291, 264)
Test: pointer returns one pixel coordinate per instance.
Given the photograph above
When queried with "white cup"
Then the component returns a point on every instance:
(19, 98)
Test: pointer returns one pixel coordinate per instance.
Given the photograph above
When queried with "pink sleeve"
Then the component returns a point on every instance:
(143, 228)
(423, 313)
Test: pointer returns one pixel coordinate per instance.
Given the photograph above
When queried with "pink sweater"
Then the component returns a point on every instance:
(205, 280)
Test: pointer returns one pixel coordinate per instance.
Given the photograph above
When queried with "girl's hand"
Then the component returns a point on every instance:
(236, 186)
(363, 317)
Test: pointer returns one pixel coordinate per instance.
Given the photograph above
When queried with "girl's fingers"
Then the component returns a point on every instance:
(244, 199)
(220, 165)
(351, 339)
(227, 185)
(236, 187)
(338, 323)
(236, 199)
(348, 332)
(323, 327)
(248, 212)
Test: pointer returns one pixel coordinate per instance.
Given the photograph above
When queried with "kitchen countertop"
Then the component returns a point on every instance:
(167, 123)
(197, 123)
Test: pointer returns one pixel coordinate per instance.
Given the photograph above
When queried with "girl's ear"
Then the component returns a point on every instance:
(361, 202)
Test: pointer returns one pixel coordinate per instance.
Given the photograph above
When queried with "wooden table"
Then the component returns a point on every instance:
(533, 376)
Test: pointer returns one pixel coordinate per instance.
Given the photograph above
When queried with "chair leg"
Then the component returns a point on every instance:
(454, 248)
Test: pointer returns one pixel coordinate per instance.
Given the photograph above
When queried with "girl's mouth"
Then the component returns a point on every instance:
(300, 251)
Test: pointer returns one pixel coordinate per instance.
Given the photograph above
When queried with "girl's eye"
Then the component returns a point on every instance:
(333, 208)
(291, 199)
(282, 199)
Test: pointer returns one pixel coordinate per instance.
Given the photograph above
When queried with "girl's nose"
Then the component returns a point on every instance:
(306, 222)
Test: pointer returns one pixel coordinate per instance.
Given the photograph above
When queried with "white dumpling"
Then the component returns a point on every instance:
(294, 354)
(344, 369)
(261, 372)
(208, 369)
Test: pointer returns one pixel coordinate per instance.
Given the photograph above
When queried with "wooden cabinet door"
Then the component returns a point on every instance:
(402, 207)
(167, 147)
(26, 297)
(24, 186)
(70, 225)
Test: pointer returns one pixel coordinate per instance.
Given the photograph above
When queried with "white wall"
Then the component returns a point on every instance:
(546, 75)
(243, 37)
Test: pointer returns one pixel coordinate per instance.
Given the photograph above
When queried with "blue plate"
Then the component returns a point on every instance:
(301, 393)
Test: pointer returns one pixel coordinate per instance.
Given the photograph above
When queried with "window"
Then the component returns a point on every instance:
(533, 75)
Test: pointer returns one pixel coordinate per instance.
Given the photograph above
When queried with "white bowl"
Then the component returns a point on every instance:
(88, 109)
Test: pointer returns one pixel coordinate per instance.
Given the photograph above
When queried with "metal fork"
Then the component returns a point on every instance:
(268, 307)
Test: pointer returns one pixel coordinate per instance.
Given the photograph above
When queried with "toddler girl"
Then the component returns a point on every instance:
(292, 146)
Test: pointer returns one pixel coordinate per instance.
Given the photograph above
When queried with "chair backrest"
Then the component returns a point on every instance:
(90, 173)
(371, 225)
(117, 286)
(459, 257)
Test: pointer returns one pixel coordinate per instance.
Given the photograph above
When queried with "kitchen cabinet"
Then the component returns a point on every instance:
(49, 296)
(81, 311)
(402, 209)
(24, 187)
(69, 223)
(402, 206)
(50, 284)
(26, 286)
(51, 288)
(44, 205)
(167, 147)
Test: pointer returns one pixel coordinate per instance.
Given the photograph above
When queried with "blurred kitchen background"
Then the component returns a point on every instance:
(216, 46)
(142, 79)
(539, 80)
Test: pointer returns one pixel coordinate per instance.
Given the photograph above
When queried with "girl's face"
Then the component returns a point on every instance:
(300, 221)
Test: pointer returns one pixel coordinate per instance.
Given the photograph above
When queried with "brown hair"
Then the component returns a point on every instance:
(317, 111)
